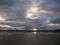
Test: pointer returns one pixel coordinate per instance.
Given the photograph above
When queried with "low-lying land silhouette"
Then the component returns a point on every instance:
(56, 30)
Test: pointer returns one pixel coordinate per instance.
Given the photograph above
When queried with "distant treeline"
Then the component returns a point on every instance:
(56, 30)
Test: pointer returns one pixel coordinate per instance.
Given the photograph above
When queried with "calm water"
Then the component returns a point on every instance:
(29, 38)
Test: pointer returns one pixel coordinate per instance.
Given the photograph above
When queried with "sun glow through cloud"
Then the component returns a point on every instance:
(2, 19)
(32, 12)
(34, 29)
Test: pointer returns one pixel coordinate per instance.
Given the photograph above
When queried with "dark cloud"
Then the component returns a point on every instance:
(6, 2)
(51, 5)
(56, 20)
(58, 1)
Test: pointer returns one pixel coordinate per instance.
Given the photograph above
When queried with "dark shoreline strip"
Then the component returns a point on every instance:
(29, 31)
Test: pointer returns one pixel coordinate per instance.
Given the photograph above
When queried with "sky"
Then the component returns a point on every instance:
(30, 14)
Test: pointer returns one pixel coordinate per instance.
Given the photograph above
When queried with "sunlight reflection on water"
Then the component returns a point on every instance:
(34, 33)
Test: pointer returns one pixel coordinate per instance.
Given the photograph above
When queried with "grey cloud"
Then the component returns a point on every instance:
(51, 5)
(58, 1)
(56, 20)
(6, 2)
(16, 11)
(12, 23)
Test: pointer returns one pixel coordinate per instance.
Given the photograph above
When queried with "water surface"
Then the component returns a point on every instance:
(29, 38)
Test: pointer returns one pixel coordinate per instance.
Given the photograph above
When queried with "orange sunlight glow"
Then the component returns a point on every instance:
(34, 31)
